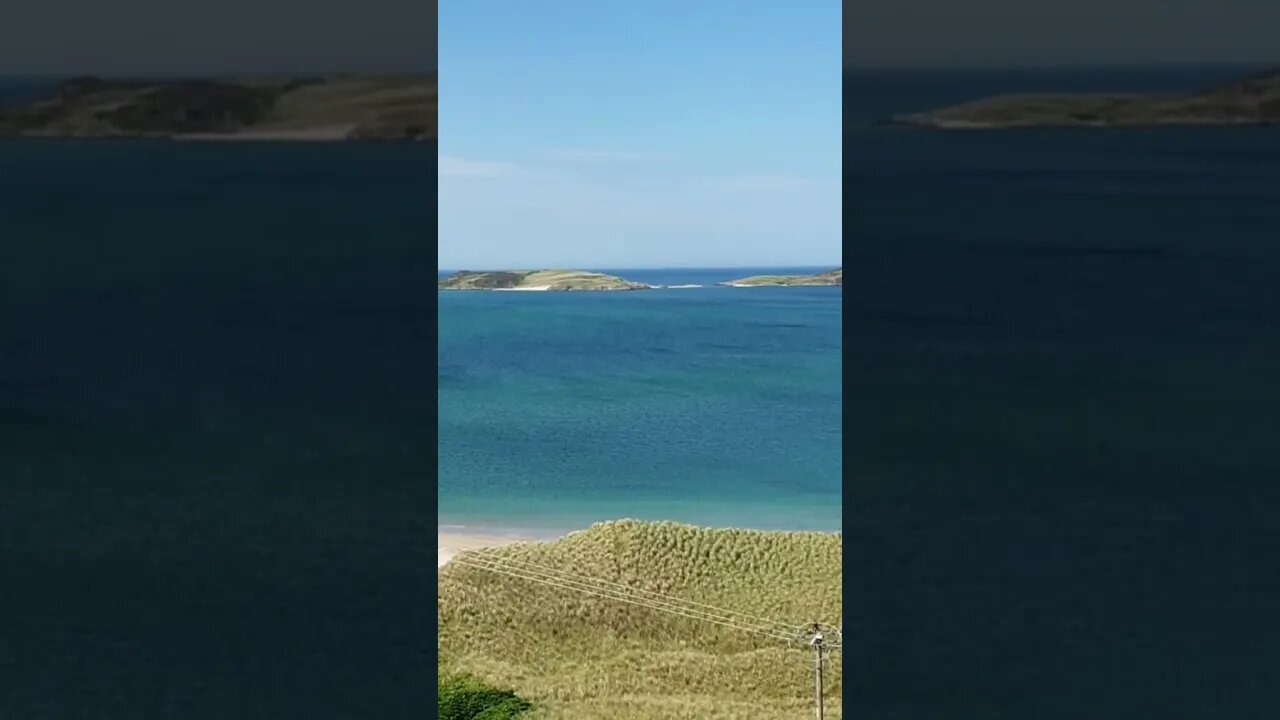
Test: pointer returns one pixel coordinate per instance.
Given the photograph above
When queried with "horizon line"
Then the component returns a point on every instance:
(165, 75)
(1057, 65)
(589, 268)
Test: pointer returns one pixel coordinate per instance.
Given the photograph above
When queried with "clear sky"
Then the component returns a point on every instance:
(1004, 33)
(185, 37)
(589, 134)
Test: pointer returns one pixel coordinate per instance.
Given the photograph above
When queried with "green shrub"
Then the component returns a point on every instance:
(465, 698)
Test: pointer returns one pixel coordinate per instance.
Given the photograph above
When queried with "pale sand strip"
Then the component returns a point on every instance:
(314, 134)
(452, 541)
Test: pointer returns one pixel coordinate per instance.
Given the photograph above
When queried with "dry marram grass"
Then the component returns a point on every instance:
(584, 657)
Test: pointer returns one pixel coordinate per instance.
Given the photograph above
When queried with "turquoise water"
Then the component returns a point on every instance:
(712, 405)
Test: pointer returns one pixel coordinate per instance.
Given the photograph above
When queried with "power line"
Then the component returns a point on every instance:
(661, 601)
(731, 615)
(566, 584)
(495, 557)
(599, 587)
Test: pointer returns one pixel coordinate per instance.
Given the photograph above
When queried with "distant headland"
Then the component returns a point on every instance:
(551, 280)
(1251, 101)
(826, 279)
(321, 108)
(568, 280)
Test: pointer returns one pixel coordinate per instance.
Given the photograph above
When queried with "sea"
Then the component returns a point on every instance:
(1061, 380)
(692, 402)
(217, 453)
(1050, 389)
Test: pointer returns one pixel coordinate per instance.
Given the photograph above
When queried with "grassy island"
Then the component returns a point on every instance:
(1251, 101)
(826, 279)
(325, 108)
(554, 280)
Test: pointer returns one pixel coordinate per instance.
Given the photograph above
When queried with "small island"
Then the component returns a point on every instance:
(325, 108)
(537, 280)
(833, 278)
(1252, 101)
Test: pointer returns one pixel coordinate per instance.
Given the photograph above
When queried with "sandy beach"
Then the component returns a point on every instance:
(331, 133)
(451, 540)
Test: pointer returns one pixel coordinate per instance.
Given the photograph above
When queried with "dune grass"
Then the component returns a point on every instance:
(583, 657)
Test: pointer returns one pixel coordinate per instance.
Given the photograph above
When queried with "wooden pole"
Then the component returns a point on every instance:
(817, 674)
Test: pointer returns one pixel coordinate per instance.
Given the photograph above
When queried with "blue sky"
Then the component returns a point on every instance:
(601, 134)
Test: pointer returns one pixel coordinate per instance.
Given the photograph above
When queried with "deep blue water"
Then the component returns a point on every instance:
(712, 405)
(216, 461)
(1061, 357)
(1062, 367)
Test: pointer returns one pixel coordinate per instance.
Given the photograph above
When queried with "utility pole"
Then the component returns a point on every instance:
(817, 643)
